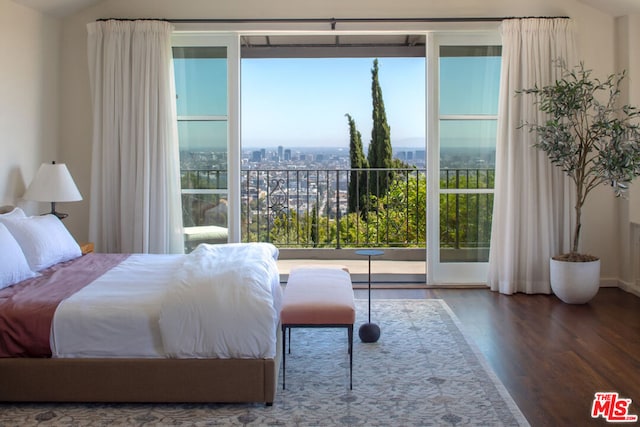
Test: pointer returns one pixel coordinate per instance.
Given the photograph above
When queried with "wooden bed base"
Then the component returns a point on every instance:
(139, 380)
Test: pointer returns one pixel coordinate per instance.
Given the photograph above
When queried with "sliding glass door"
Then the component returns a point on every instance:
(205, 70)
(463, 147)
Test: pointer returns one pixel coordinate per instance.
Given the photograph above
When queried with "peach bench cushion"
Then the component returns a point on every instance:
(318, 296)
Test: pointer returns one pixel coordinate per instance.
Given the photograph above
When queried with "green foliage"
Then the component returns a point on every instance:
(313, 232)
(396, 219)
(400, 217)
(357, 181)
(380, 153)
(586, 134)
(465, 220)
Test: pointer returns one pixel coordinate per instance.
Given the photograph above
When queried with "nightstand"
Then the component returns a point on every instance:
(86, 248)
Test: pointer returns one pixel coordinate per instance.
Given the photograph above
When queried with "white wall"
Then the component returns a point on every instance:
(628, 58)
(596, 39)
(29, 98)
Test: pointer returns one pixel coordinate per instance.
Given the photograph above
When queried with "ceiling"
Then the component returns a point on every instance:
(333, 46)
(62, 8)
(615, 7)
(58, 8)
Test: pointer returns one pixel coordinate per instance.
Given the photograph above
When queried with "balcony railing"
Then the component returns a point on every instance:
(339, 208)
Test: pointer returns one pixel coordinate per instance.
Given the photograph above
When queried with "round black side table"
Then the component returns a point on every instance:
(369, 332)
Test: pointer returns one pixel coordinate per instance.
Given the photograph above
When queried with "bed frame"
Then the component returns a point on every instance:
(140, 380)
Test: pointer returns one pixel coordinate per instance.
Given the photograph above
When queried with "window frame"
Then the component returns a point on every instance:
(439, 272)
(231, 41)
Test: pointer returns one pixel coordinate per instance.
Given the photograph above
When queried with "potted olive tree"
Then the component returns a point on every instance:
(595, 141)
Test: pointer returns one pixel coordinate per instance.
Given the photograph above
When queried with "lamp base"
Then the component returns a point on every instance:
(60, 215)
(369, 332)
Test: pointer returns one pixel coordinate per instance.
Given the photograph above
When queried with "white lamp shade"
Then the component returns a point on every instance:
(53, 183)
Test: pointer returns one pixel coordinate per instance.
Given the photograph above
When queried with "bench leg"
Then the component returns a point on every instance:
(284, 353)
(350, 333)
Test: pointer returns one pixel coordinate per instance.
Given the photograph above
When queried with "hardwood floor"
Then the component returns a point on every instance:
(552, 357)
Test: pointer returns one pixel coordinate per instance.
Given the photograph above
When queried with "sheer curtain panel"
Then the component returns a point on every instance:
(533, 201)
(135, 180)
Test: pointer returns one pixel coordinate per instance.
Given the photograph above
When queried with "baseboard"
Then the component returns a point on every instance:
(632, 288)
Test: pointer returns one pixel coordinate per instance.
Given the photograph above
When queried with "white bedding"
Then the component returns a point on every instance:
(118, 315)
(243, 325)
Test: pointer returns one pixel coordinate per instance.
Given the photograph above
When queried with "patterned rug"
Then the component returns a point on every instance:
(422, 371)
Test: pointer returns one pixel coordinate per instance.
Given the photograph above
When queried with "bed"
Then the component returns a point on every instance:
(155, 344)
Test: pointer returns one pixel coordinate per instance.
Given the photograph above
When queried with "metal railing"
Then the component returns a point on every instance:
(465, 219)
(337, 208)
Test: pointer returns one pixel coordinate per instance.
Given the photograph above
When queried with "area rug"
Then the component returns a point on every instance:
(421, 372)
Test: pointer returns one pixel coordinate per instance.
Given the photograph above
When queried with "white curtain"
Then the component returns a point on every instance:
(135, 182)
(533, 204)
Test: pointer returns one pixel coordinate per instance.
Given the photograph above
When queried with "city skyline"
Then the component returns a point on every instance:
(332, 158)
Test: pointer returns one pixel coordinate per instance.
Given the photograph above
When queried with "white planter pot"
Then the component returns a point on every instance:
(575, 282)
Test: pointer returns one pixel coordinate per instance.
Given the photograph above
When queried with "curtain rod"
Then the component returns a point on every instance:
(332, 21)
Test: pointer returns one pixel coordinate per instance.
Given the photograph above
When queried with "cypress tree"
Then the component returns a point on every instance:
(314, 226)
(380, 153)
(357, 182)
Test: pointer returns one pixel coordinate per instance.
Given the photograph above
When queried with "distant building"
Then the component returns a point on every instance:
(420, 155)
(280, 152)
(287, 154)
(256, 156)
(409, 155)
(401, 155)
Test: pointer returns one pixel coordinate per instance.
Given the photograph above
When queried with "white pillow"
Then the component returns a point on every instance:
(44, 240)
(13, 265)
(14, 213)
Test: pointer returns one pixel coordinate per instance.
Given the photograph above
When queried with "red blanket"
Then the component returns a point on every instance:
(27, 308)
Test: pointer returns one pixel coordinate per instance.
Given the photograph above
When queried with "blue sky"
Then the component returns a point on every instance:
(297, 102)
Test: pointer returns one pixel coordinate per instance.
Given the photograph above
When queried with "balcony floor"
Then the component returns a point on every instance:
(387, 272)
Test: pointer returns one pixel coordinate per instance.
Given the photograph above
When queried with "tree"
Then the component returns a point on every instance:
(358, 180)
(588, 135)
(314, 226)
(380, 154)
(397, 218)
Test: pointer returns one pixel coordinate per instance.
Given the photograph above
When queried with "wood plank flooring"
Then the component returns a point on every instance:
(552, 357)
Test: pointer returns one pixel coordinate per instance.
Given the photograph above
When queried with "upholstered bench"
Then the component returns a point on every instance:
(318, 297)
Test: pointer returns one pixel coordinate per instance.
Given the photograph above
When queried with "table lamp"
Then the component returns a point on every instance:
(53, 183)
